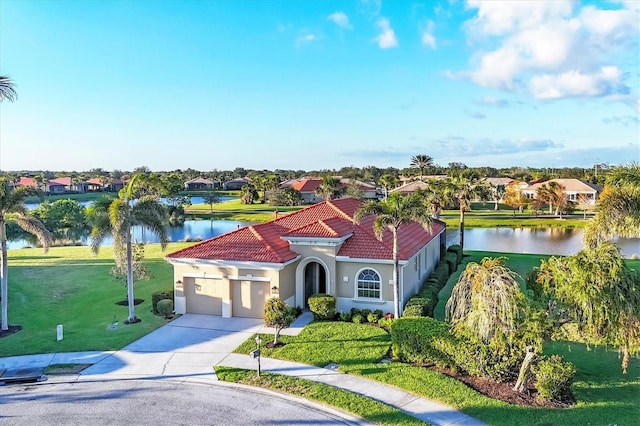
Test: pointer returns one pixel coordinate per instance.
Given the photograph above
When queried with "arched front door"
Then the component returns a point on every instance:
(315, 280)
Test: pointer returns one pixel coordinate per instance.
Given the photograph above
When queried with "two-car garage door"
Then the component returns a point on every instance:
(205, 296)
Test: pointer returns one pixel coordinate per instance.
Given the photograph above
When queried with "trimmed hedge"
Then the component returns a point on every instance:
(451, 259)
(165, 307)
(457, 249)
(412, 341)
(158, 296)
(323, 306)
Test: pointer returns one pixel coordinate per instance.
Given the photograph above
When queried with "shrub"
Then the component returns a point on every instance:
(451, 259)
(278, 315)
(323, 306)
(554, 377)
(457, 249)
(165, 307)
(412, 341)
(355, 311)
(158, 296)
(357, 319)
(441, 275)
(374, 316)
(345, 316)
(385, 323)
(365, 313)
(413, 309)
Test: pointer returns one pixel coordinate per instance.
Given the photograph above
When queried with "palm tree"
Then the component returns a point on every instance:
(7, 89)
(434, 196)
(618, 207)
(117, 217)
(464, 190)
(388, 182)
(330, 188)
(421, 162)
(392, 214)
(553, 194)
(12, 203)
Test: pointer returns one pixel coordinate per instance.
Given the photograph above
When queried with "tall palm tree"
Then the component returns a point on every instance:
(464, 190)
(434, 196)
(392, 214)
(330, 188)
(421, 162)
(7, 89)
(388, 182)
(12, 203)
(618, 207)
(117, 217)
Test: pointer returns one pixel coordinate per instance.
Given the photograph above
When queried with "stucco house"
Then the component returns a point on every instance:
(235, 184)
(314, 250)
(574, 189)
(308, 185)
(199, 184)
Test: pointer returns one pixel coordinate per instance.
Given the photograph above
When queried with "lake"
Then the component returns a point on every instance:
(556, 241)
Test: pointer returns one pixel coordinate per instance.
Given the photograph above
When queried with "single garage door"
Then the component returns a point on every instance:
(204, 296)
(248, 298)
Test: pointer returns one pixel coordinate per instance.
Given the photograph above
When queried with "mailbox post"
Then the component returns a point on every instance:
(256, 353)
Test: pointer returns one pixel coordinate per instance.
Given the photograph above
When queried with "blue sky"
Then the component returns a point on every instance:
(318, 84)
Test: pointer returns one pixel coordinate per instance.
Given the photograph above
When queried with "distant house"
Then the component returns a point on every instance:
(498, 181)
(235, 184)
(199, 184)
(308, 185)
(318, 249)
(95, 184)
(26, 181)
(58, 185)
(574, 188)
(410, 188)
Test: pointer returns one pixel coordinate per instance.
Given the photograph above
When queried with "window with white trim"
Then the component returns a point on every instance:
(368, 284)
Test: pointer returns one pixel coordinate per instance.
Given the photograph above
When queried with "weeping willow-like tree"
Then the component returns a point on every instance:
(600, 293)
(618, 213)
(7, 89)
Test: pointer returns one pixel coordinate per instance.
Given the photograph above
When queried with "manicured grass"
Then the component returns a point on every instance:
(373, 411)
(235, 210)
(321, 343)
(604, 394)
(72, 287)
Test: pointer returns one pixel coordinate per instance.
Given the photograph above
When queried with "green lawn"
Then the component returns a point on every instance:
(72, 287)
(605, 396)
(373, 411)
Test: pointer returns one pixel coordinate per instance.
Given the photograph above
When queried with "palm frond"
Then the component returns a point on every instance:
(33, 226)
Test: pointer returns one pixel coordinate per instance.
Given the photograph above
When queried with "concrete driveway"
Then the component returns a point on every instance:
(187, 347)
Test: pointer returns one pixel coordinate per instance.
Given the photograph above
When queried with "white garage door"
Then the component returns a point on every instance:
(248, 298)
(204, 296)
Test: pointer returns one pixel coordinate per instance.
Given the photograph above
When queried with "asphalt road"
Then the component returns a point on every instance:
(147, 402)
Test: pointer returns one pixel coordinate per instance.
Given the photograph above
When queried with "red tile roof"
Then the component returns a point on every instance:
(64, 181)
(328, 219)
(27, 181)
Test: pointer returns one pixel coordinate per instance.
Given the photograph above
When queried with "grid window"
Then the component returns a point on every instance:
(369, 284)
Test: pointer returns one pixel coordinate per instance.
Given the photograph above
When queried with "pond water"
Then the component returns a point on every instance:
(194, 200)
(558, 241)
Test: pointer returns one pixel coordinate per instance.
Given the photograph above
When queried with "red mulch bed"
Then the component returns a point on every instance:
(504, 391)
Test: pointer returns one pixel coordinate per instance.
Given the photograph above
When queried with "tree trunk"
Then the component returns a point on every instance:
(525, 370)
(462, 228)
(396, 285)
(496, 205)
(3, 276)
(276, 335)
(132, 315)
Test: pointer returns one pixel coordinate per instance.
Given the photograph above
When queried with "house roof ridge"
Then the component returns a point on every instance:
(264, 241)
(339, 210)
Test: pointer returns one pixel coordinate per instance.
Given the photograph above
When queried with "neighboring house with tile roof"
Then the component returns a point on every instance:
(199, 184)
(314, 250)
(574, 189)
(235, 184)
(410, 188)
(308, 185)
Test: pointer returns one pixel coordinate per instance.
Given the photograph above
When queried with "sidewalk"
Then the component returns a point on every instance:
(186, 349)
(428, 411)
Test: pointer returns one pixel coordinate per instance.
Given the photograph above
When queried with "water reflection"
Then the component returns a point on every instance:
(558, 241)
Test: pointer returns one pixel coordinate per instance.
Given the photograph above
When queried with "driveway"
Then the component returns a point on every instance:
(187, 347)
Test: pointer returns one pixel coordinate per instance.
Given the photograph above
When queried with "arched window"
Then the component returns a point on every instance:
(368, 284)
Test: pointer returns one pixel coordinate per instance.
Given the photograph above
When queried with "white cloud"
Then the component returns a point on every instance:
(427, 38)
(576, 84)
(494, 102)
(552, 49)
(305, 39)
(340, 19)
(387, 37)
